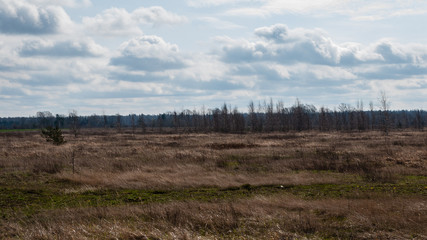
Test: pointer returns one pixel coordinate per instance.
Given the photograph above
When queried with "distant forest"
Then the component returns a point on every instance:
(261, 117)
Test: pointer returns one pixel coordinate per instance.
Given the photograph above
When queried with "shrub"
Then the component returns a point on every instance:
(53, 135)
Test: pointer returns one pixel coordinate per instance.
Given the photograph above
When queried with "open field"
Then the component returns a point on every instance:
(316, 185)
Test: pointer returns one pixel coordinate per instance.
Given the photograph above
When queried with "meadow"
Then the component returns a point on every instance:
(296, 185)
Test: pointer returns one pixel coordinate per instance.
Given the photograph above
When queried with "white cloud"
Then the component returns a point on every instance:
(394, 53)
(278, 32)
(156, 16)
(359, 10)
(219, 24)
(113, 21)
(21, 17)
(210, 3)
(119, 22)
(271, 7)
(338, 75)
(286, 46)
(149, 53)
(301, 6)
(204, 68)
(305, 63)
(69, 48)
(379, 10)
(64, 3)
(279, 44)
(51, 63)
(277, 61)
(148, 46)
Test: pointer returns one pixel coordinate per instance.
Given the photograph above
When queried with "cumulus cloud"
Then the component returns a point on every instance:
(156, 15)
(22, 17)
(149, 53)
(284, 61)
(70, 48)
(118, 21)
(392, 54)
(279, 44)
(113, 21)
(278, 32)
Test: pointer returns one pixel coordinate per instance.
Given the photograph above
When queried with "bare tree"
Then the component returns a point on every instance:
(105, 120)
(373, 119)
(119, 122)
(216, 119)
(344, 113)
(197, 120)
(133, 122)
(205, 119)
(186, 116)
(280, 115)
(225, 122)
(74, 122)
(323, 119)
(270, 121)
(253, 119)
(385, 112)
(160, 121)
(93, 121)
(419, 122)
(261, 117)
(238, 121)
(59, 120)
(298, 116)
(44, 119)
(175, 121)
(141, 123)
(361, 116)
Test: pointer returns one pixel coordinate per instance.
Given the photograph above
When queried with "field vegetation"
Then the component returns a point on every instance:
(106, 184)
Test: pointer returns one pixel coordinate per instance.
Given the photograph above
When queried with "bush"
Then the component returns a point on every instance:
(53, 135)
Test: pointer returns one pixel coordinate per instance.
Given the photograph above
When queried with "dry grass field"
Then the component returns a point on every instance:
(308, 185)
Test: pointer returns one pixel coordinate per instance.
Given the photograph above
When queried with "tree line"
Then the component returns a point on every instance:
(264, 116)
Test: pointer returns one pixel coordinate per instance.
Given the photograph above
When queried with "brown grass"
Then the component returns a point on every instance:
(153, 161)
(105, 159)
(279, 217)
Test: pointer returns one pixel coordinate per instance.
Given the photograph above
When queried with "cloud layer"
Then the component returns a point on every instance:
(149, 59)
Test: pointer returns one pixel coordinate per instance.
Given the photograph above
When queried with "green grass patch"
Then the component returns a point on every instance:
(17, 130)
(30, 201)
(355, 191)
(30, 193)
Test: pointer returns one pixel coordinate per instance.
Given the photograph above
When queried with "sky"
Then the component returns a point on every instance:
(142, 56)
